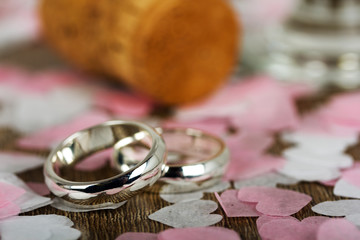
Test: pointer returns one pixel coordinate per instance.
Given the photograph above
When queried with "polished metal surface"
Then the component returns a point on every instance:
(127, 179)
(196, 160)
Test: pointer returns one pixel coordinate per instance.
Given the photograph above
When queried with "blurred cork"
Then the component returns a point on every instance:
(175, 51)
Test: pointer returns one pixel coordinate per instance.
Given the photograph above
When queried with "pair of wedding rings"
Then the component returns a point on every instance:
(141, 157)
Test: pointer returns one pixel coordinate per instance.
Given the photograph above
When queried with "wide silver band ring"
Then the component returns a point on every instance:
(196, 160)
(130, 178)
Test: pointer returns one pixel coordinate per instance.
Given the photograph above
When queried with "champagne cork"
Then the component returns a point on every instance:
(175, 51)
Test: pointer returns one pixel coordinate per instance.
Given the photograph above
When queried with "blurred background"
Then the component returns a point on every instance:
(178, 52)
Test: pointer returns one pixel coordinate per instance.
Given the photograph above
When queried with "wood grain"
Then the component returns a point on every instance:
(108, 224)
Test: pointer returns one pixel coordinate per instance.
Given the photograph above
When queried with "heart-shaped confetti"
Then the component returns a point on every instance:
(40, 227)
(334, 229)
(137, 236)
(291, 228)
(8, 194)
(29, 200)
(309, 172)
(266, 180)
(333, 160)
(233, 207)
(346, 189)
(320, 143)
(208, 233)
(13, 162)
(243, 103)
(39, 188)
(188, 214)
(348, 208)
(50, 137)
(188, 196)
(352, 176)
(274, 201)
(243, 166)
(121, 103)
(338, 208)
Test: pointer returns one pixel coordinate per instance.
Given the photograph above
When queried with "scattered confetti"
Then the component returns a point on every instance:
(40, 227)
(333, 160)
(242, 103)
(243, 165)
(274, 201)
(137, 236)
(334, 229)
(29, 200)
(340, 208)
(291, 228)
(122, 104)
(346, 189)
(28, 113)
(233, 207)
(8, 194)
(214, 126)
(196, 213)
(181, 197)
(39, 188)
(50, 137)
(194, 233)
(320, 143)
(14, 162)
(266, 180)
(96, 160)
(352, 176)
(188, 196)
(309, 172)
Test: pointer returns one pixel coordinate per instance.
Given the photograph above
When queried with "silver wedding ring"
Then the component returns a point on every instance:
(126, 182)
(142, 158)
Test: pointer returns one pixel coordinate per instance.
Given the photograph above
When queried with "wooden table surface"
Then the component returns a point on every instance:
(108, 224)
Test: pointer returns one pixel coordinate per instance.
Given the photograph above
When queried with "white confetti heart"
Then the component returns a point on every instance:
(321, 143)
(40, 227)
(338, 160)
(29, 200)
(354, 218)
(188, 196)
(15, 162)
(266, 180)
(346, 189)
(309, 172)
(338, 208)
(188, 214)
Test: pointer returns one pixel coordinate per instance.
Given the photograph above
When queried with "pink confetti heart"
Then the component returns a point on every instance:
(50, 137)
(244, 141)
(214, 126)
(208, 233)
(243, 102)
(263, 219)
(137, 236)
(9, 192)
(245, 165)
(39, 188)
(274, 201)
(95, 160)
(233, 207)
(122, 104)
(290, 228)
(9, 209)
(352, 176)
(334, 229)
